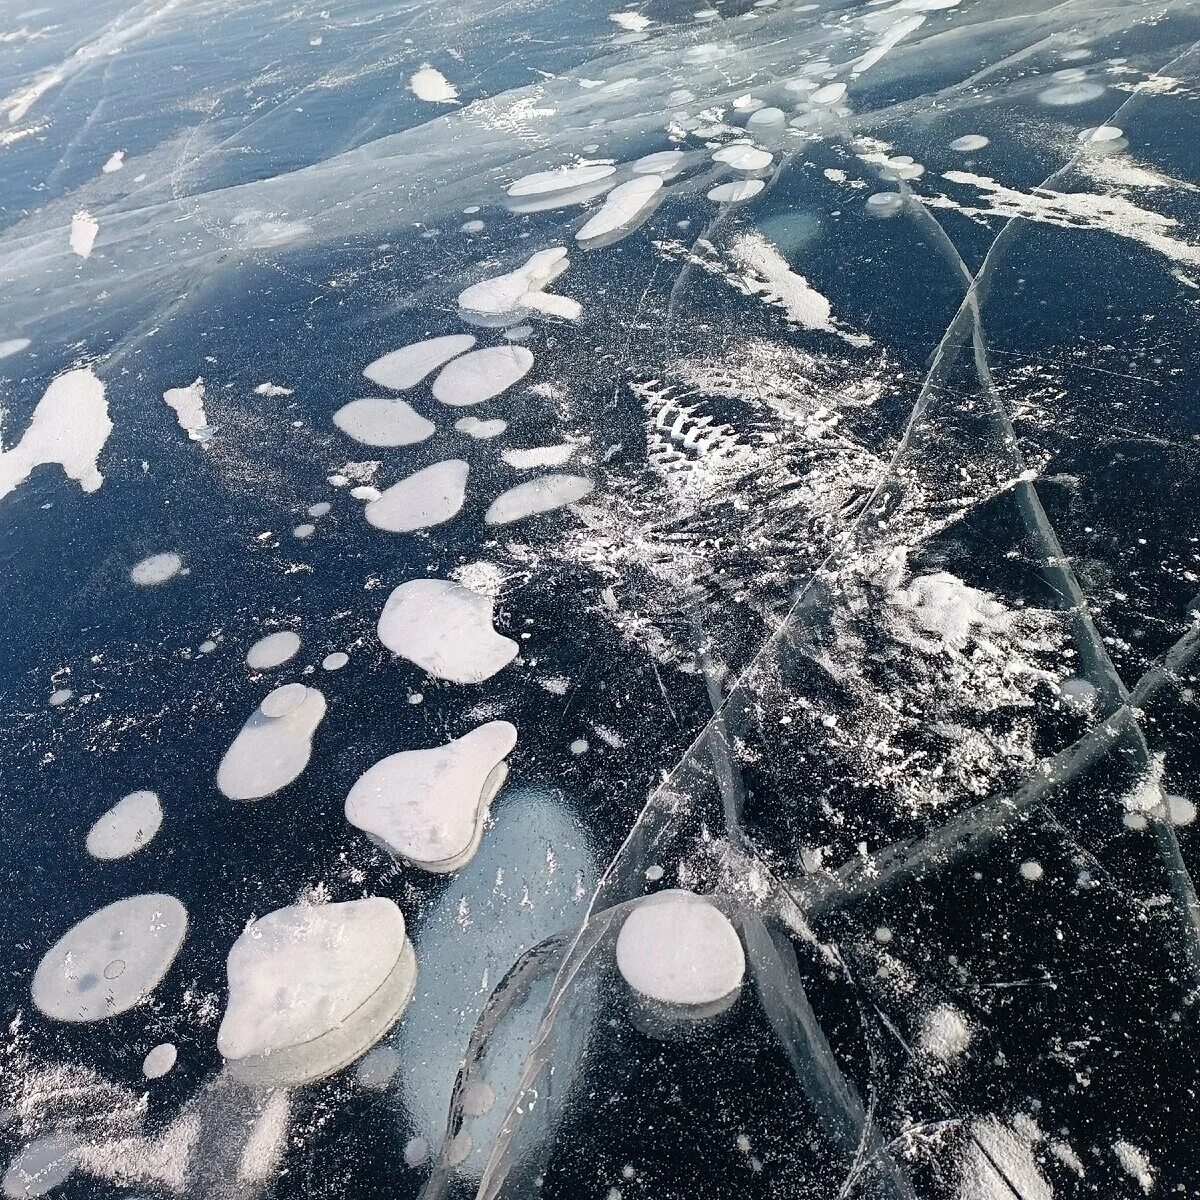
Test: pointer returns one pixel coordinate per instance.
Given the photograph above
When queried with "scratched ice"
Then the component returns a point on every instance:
(781, 414)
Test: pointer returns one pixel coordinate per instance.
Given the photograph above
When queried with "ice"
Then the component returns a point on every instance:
(431, 85)
(156, 569)
(274, 745)
(481, 430)
(560, 180)
(540, 495)
(114, 163)
(312, 987)
(765, 118)
(129, 825)
(416, 1151)
(735, 193)
(482, 375)
(377, 1068)
(539, 456)
(112, 960)
(802, 302)
(405, 368)
(1102, 133)
(429, 806)
(160, 1060)
(41, 1166)
(1000, 1163)
(945, 1034)
(679, 949)
(1135, 1164)
(1068, 94)
(446, 630)
(84, 228)
(885, 204)
(743, 157)
(335, 661)
(318, 510)
(11, 346)
(59, 697)
(622, 207)
(968, 142)
(304, 531)
(634, 22)
(427, 497)
(273, 650)
(188, 403)
(509, 298)
(663, 162)
(272, 389)
(831, 93)
(69, 427)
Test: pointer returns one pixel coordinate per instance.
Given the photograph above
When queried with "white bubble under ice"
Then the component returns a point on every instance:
(129, 825)
(429, 806)
(273, 650)
(160, 1060)
(273, 747)
(446, 630)
(383, 422)
(535, 496)
(678, 948)
(405, 368)
(111, 960)
(426, 498)
(482, 375)
(156, 569)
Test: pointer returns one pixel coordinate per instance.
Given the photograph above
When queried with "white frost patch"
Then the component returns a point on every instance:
(735, 193)
(188, 403)
(383, 422)
(430, 85)
(271, 389)
(156, 569)
(115, 162)
(129, 825)
(446, 630)
(111, 960)
(635, 22)
(947, 612)
(274, 745)
(482, 375)
(425, 498)
(539, 456)
(480, 430)
(273, 650)
(622, 207)
(84, 228)
(405, 368)
(69, 426)
(159, 1061)
(802, 302)
(311, 987)
(540, 495)
(429, 806)
(511, 297)
(1135, 1164)
(945, 1034)
(994, 1145)
(677, 948)
(1073, 210)
(563, 179)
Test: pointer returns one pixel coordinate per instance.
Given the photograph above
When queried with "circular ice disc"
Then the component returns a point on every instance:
(678, 948)
(283, 700)
(111, 960)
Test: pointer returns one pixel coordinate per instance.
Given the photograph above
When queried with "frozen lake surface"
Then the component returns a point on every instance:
(599, 601)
